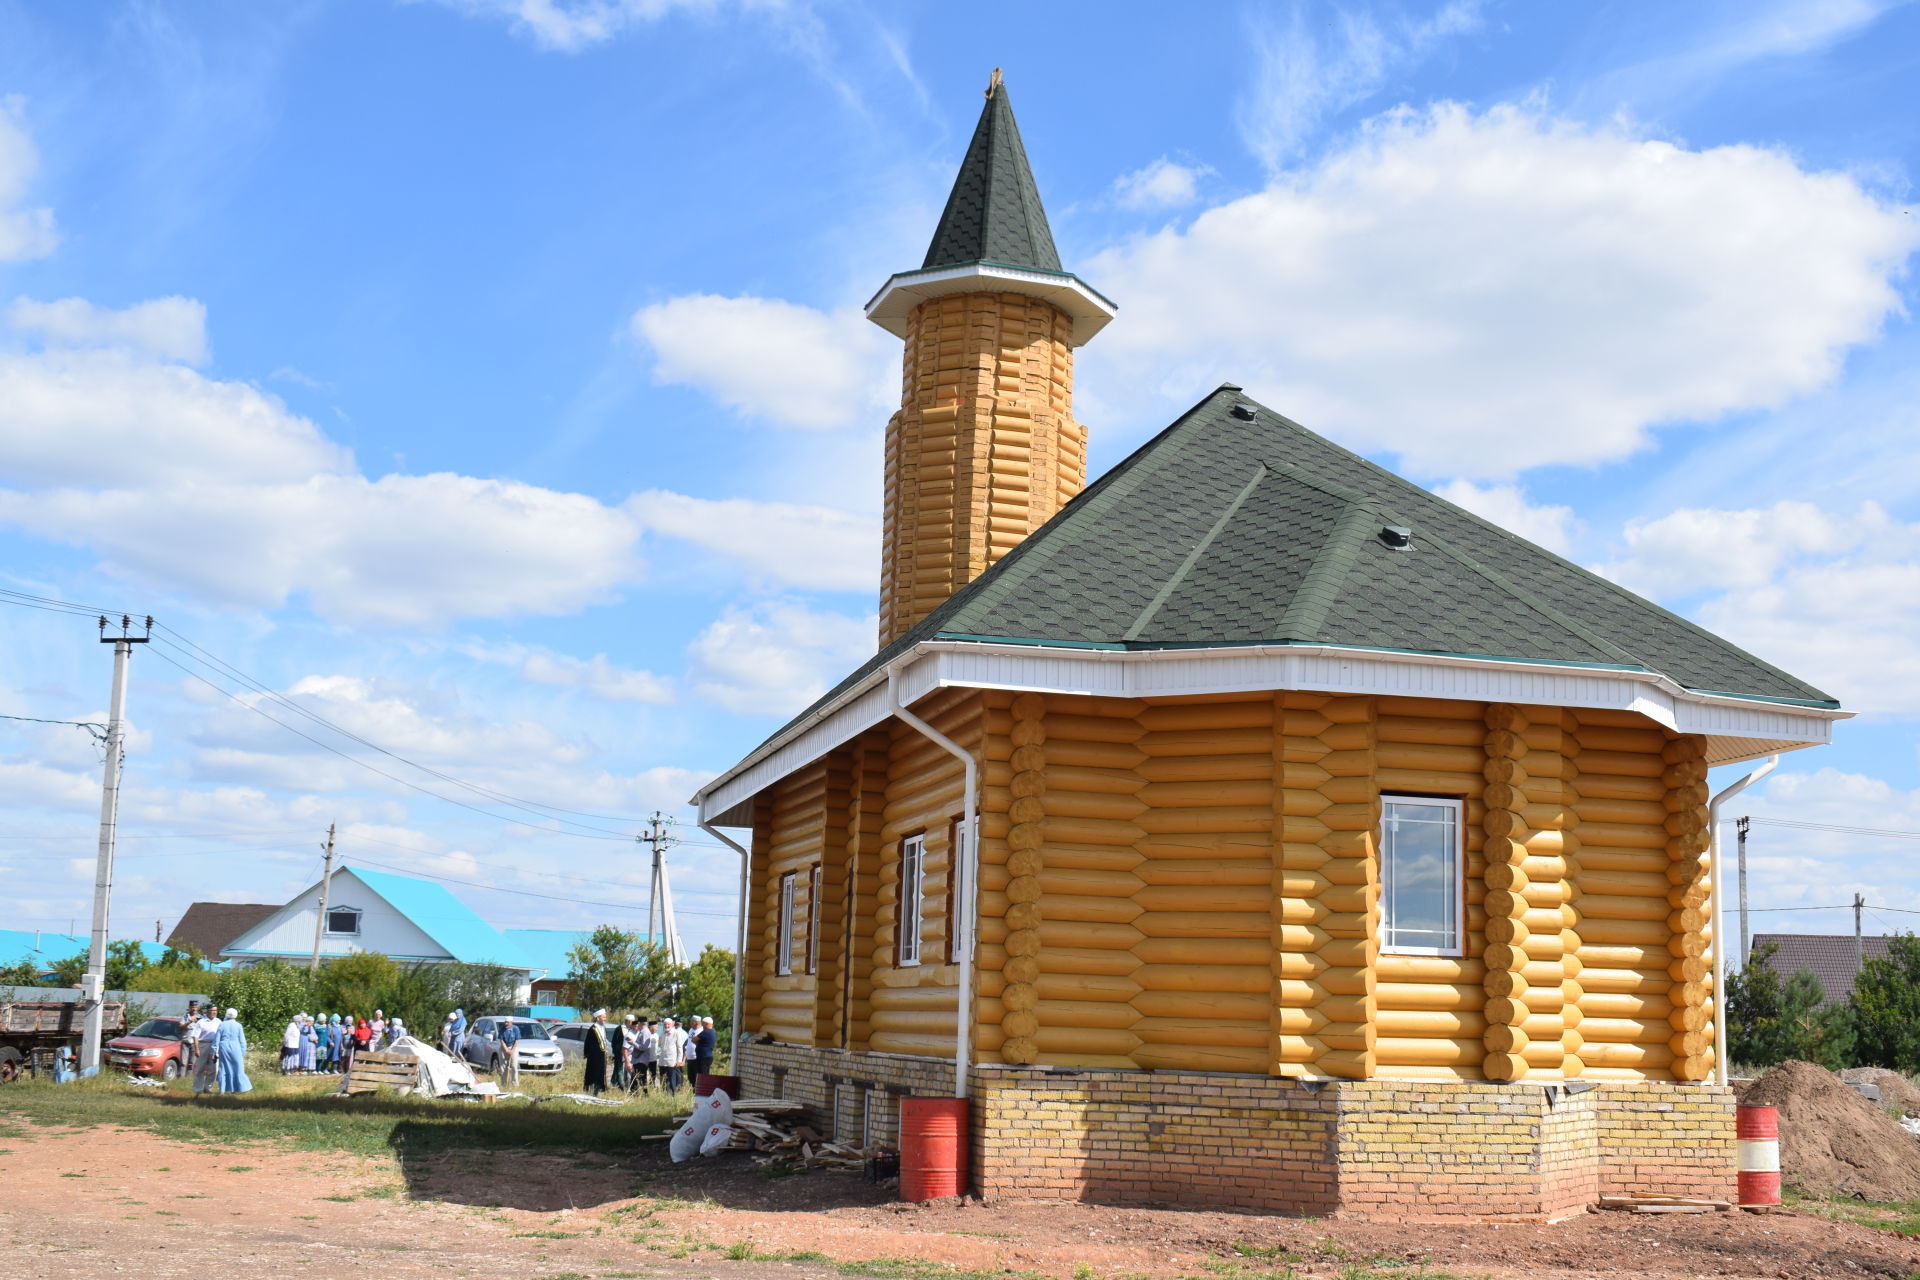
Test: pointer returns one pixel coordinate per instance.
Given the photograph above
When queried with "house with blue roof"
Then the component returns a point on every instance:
(403, 917)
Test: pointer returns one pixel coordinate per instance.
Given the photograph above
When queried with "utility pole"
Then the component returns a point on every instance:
(1746, 939)
(1859, 947)
(93, 987)
(660, 922)
(320, 922)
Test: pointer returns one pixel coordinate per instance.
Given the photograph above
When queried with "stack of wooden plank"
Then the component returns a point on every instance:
(371, 1071)
(772, 1127)
(1663, 1204)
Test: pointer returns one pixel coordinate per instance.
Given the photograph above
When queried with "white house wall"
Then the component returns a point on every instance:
(289, 932)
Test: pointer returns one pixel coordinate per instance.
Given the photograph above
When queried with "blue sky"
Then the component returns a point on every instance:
(486, 377)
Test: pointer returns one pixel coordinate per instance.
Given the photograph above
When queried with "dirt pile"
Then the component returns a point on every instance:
(1896, 1091)
(1832, 1140)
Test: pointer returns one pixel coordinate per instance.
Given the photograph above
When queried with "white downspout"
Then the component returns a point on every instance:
(740, 946)
(1719, 931)
(964, 880)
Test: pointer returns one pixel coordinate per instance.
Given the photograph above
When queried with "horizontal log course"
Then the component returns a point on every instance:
(1090, 857)
(1206, 769)
(1086, 933)
(1226, 1006)
(1623, 763)
(1114, 962)
(1102, 988)
(923, 1046)
(1611, 1031)
(1120, 757)
(1434, 1023)
(1103, 806)
(1601, 786)
(1090, 831)
(1202, 951)
(1217, 818)
(1100, 780)
(1246, 1060)
(1210, 794)
(1451, 732)
(1186, 844)
(1437, 969)
(1249, 1034)
(1232, 711)
(1086, 1014)
(1062, 728)
(1204, 924)
(1243, 978)
(1055, 1042)
(1597, 907)
(1637, 883)
(1204, 897)
(1452, 761)
(1602, 1058)
(1216, 871)
(1429, 996)
(1624, 982)
(1208, 742)
(1395, 1051)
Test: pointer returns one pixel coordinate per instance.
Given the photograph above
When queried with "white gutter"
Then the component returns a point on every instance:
(964, 880)
(1719, 933)
(740, 949)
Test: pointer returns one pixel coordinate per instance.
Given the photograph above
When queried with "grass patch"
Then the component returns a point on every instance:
(742, 1251)
(241, 1168)
(915, 1269)
(304, 1112)
(1900, 1217)
(547, 1235)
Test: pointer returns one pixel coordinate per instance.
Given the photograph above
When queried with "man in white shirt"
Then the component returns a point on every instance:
(203, 1029)
(671, 1054)
(644, 1041)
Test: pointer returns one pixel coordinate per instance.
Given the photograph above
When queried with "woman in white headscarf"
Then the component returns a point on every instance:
(290, 1045)
(230, 1043)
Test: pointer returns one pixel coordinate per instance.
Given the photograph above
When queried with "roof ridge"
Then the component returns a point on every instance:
(1319, 587)
(1532, 601)
(1199, 549)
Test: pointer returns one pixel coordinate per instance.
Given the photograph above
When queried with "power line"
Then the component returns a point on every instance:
(265, 690)
(528, 893)
(1828, 826)
(78, 724)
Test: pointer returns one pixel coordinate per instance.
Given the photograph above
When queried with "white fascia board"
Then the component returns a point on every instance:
(897, 298)
(1736, 728)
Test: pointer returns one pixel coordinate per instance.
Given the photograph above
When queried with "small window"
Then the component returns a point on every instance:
(544, 997)
(783, 955)
(913, 890)
(813, 919)
(1420, 876)
(343, 920)
(954, 838)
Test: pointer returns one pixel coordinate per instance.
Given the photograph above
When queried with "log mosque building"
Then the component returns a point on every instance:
(1249, 827)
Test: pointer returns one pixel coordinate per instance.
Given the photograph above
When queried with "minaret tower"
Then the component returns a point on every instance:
(984, 448)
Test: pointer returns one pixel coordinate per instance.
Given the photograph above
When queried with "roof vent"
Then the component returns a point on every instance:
(1244, 411)
(1397, 536)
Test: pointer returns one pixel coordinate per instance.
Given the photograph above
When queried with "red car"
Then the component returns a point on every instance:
(150, 1049)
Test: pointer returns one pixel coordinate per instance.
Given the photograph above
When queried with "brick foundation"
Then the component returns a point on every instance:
(1395, 1149)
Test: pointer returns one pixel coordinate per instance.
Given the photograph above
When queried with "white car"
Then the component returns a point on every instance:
(536, 1052)
(569, 1037)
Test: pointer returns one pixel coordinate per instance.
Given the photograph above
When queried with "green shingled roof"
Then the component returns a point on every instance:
(994, 213)
(1238, 530)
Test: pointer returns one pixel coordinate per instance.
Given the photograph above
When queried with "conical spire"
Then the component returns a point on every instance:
(994, 213)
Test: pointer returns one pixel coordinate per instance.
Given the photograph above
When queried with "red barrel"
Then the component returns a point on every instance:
(705, 1084)
(933, 1148)
(1757, 1134)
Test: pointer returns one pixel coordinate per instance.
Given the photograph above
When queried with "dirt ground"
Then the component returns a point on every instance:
(100, 1202)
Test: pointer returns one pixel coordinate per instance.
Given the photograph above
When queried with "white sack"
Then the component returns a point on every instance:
(718, 1136)
(688, 1137)
(439, 1074)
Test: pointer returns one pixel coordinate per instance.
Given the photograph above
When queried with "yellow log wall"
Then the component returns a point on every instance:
(983, 450)
(796, 839)
(1193, 884)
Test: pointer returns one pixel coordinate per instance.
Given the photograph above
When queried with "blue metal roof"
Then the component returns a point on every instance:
(547, 948)
(45, 948)
(444, 918)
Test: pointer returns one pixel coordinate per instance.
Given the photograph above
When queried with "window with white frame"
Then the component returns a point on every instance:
(813, 919)
(913, 890)
(1421, 877)
(783, 954)
(343, 920)
(544, 997)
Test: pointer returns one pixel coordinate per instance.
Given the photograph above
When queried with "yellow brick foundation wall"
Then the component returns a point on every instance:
(1381, 1149)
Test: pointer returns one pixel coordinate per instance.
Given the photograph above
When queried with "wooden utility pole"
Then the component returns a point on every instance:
(326, 883)
(93, 987)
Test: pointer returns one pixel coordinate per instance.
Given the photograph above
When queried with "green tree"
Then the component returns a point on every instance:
(1810, 1031)
(125, 963)
(24, 974)
(193, 980)
(479, 989)
(68, 972)
(623, 972)
(356, 984)
(1886, 1006)
(267, 995)
(187, 957)
(709, 990)
(1753, 1011)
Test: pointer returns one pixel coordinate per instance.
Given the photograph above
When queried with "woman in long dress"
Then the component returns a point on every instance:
(290, 1046)
(309, 1045)
(230, 1046)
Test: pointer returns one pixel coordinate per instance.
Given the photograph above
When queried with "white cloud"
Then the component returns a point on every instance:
(110, 418)
(803, 546)
(402, 550)
(172, 328)
(569, 26)
(1833, 598)
(1507, 506)
(1792, 867)
(1164, 184)
(777, 361)
(1311, 66)
(775, 659)
(597, 676)
(1490, 292)
(24, 233)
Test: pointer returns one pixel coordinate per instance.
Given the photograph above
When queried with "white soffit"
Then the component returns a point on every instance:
(1736, 729)
(896, 300)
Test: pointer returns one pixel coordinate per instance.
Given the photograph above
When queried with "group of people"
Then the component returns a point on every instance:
(214, 1049)
(644, 1054)
(325, 1045)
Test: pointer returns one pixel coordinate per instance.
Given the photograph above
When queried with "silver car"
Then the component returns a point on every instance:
(569, 1038)
(536, 1052)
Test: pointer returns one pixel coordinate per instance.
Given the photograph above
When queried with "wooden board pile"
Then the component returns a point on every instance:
(772, 1127)
(371, 1071)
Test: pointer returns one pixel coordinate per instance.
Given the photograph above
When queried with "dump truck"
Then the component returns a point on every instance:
(31, 1030)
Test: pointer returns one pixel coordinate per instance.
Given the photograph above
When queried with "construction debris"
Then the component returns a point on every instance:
(1663, 1204)
(772, 1128)
(1832, 1140)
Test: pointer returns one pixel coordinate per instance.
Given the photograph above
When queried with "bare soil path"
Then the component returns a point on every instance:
(81, 1204)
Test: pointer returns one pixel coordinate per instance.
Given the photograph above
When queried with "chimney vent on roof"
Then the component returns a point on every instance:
(1397, 536)
(1243, 411)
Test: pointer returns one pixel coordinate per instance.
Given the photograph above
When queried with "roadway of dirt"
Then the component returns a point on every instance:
(95, 1203)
